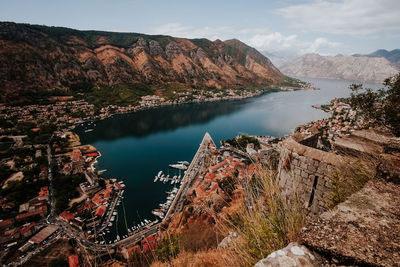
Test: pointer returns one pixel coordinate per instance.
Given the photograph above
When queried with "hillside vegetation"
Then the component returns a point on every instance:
(37, 58)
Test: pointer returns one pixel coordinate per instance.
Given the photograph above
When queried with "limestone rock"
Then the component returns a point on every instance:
(226, 242)
(292, 255)
(365, 229)
(364, 69)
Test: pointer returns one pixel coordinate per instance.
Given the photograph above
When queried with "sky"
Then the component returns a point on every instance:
(287, 27)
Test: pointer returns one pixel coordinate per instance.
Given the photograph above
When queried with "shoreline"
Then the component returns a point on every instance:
(160, 105)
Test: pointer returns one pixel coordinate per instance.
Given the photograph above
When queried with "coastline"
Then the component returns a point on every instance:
(133, 109)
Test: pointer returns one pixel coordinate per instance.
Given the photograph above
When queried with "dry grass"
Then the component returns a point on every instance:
(265, 222)
(354, 174)
(211, 257)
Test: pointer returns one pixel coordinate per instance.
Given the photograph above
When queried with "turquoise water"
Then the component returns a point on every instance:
(136, 146)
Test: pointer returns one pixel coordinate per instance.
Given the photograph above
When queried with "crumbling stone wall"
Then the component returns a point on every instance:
(307, 172)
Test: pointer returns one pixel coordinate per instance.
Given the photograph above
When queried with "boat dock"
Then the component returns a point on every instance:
(177, 202)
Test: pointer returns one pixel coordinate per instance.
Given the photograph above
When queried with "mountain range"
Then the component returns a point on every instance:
(41, 57)
(374, 67)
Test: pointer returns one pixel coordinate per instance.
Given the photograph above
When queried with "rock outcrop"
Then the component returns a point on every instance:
(353, 68)
(290, 256)
(40, 57)
(364, 230)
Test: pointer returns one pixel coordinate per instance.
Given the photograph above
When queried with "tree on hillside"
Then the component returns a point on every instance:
(383, 105)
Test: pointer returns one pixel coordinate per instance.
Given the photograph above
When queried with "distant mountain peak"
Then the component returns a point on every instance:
(354, 68)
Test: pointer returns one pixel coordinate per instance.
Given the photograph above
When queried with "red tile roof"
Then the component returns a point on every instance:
(93, 154)
(219, 165)
(98, 199)
(6, 223)
(27, 228)
(100, 211)
(107, 193)
(199, 192)
(209, 175)
(42, 210)
(214, 188)
(73, 261)
(67, 216)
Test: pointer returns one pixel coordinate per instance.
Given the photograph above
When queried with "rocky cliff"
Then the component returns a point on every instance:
(354, 68)
(40, 57)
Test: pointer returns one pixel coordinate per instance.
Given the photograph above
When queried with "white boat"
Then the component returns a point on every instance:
(88, 130)
(118, 238)
(129, 230)
(142, 223)
(178, 166)
(147, 221)
(184, 163)
(110, 224)
(115, 213)
(159, 173)
(158, 213)
(112, 218)
(155, 179)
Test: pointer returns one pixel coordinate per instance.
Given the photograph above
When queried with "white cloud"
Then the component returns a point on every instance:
(320, 44)
(353, 17)
(277, 43)
(222, 32)
(259, 38)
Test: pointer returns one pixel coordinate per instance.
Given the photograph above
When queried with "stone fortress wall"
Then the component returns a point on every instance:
(306, 171)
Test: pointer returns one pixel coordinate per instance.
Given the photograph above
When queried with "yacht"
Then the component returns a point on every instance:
(178, 166)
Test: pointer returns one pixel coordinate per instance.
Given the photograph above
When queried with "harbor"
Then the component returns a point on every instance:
(173, 204)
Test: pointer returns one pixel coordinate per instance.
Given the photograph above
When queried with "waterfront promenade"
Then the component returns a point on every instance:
(190, 173)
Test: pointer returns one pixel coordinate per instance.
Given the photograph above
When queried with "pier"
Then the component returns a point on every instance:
(191, 173)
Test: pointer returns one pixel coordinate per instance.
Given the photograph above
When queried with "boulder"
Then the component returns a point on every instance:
(292, 255)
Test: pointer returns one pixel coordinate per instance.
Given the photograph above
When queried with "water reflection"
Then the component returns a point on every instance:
(145, 122)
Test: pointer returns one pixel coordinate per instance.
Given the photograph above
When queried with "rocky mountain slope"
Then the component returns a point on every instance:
(393, 56)
(354, 68)
(40, 57)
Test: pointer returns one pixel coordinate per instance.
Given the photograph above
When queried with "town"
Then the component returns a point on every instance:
(66, 198)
